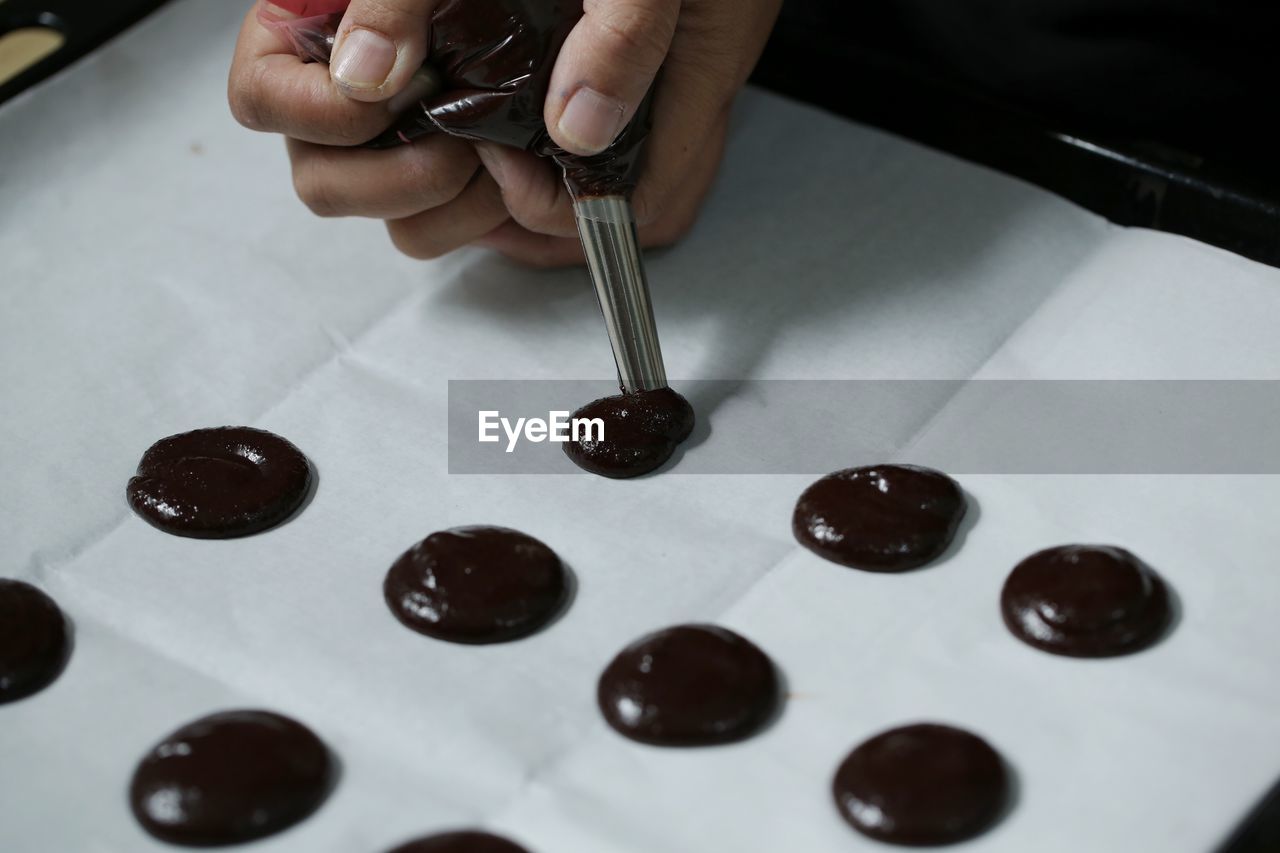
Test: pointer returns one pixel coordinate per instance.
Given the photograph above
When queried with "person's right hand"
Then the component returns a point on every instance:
(434, 194)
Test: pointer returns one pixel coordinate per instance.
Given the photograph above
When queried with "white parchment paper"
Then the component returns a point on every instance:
(157, 275)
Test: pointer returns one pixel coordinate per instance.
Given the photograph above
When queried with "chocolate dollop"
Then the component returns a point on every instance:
(465, 841)
(691, 685)
(922, 784)
(641, 431)
(219, 483)
(34, 643)
(477, 585)
(229, 778)
(1085, 601)
(880, 518)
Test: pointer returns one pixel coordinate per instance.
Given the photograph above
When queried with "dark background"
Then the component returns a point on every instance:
(1157, 113)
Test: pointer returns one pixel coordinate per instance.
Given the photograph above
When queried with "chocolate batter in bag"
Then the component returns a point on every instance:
(495, 60)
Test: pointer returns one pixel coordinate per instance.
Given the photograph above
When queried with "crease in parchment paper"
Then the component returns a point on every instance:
(40, 567)
(826, 251)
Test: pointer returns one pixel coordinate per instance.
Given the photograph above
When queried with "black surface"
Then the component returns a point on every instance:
(84, 24)
(1150, 112)
(1079, 122)
(1260, 831)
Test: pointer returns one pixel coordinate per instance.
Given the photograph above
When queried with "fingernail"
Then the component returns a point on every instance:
(591, 121)
(492, 161)
(364, 60)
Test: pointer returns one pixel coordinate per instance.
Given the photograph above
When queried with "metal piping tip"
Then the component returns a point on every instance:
(607, 227)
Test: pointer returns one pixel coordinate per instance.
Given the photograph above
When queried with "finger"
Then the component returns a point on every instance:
(691, 106)
(532, 189)
(605, 68)
(379, 45)
(532, 249)
(546, 251)
(273, 91)
(388, 184)
(477, 211)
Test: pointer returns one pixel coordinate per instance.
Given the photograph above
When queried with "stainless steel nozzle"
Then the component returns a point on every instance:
(607, 227)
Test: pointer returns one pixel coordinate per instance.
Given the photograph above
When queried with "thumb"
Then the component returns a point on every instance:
(378, 47)
(604, 70)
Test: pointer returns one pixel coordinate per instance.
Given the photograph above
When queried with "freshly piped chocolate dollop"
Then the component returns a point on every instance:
(229, 778)
(476, 585)
(641, 431)
(923, 784)
(33, 640)
(1085, 601)
(219, 483)
(881, 518)
(466, 841)
(691, 685)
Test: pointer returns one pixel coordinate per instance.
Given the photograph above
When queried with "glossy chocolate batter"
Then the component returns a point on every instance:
(34, 643)
(920, 785)
(230, 778)
(641, 431)
(882, 518)
(461, 842)
(477, 585)
(691, 685)
(219, 483)
(1085, 601)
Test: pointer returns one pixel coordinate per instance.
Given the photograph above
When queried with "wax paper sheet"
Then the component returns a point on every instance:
(157, 275)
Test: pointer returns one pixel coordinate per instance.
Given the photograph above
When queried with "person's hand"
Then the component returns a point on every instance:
(441, 193)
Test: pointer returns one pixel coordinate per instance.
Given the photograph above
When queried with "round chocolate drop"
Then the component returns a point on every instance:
(219, 483)
(881, 518)
(1085, 601)
(229, 778)
(465, 841)
(34, 642)
(691, 685)
(923, 784)
(477, 585)
(641, 431)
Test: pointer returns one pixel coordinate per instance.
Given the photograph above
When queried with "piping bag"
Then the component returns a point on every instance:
(486, 79)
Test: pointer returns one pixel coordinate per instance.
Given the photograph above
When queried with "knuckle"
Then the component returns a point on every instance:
(671, 228)
(434, 180)
(306, 105)
(350, 126)
(530, 212)
(415, 242)
(243, 96)
(637, 31)
(393, 17)
(649, 205)
(313, 191)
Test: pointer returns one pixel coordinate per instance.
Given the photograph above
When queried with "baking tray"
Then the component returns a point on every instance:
(1228, 196)
(84, 24)
(159, 274)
